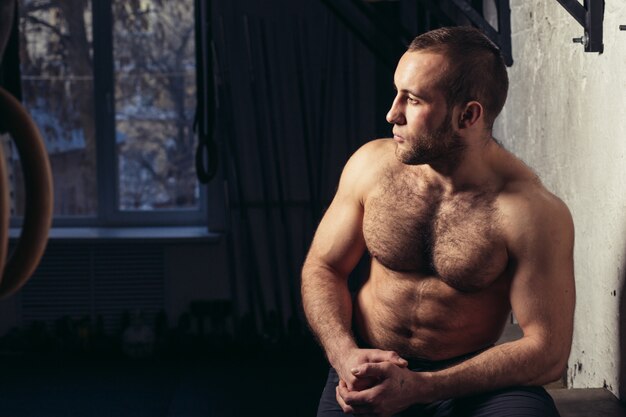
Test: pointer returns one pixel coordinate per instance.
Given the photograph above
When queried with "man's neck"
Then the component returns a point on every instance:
(472, 170)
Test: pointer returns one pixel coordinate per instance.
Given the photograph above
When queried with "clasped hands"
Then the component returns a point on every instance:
(377, 383)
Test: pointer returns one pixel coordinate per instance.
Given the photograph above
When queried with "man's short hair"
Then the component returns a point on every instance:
(476, 68)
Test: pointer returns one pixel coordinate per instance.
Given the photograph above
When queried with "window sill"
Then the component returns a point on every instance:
(182, 234)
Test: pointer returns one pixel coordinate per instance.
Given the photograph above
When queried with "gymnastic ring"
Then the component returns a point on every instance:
(38, 202)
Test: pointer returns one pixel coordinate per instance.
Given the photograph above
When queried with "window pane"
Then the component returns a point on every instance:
(154, 61)
(57, 82)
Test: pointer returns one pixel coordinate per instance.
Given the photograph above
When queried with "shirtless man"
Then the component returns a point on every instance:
(460, 233)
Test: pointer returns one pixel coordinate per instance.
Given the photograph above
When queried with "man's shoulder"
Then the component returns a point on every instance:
(529, 209)
(371, 157)
(529, 195)
(365, 167)
(521, 193)
(375, 149)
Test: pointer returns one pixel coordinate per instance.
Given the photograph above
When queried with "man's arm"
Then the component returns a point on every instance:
(336, 249)
(540, 236)
(542, 297)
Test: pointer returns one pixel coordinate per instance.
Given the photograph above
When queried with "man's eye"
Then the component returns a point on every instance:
(411, 100)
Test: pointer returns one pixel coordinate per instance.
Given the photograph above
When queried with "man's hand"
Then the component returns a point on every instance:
(357, 358)
(396, 389)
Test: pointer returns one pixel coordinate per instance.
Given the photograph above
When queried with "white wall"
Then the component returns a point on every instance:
(566, 118)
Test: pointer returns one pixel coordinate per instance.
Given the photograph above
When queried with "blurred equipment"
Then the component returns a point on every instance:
(37, 178)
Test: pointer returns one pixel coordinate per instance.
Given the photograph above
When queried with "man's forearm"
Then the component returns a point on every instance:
(523, 362)
(328, 308)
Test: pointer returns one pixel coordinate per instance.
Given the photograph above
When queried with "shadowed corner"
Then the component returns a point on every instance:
(622, 333)
(592, 402)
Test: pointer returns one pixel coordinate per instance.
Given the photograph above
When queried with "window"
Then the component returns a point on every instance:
(111, 85)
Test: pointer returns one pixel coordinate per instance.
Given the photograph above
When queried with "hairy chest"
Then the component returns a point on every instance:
(416, 229)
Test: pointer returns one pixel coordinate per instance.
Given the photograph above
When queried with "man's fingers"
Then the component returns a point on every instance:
(356, 405)
(345, 407)
(358, 400)
(396, 359)
(371, 370)
(343, 385)
(357, 383)
(376, 355)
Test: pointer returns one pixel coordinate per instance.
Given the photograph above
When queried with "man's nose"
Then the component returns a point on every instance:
(395, 115)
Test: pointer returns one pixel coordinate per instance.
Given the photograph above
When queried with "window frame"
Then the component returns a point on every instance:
(108, 213)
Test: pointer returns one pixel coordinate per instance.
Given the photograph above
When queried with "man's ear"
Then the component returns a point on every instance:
(471, 114)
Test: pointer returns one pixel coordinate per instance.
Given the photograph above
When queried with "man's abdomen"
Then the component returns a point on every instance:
(422, 317)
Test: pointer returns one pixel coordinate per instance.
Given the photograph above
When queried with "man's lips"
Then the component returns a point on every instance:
(398, 138)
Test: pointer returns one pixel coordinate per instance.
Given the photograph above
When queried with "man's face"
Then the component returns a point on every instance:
(422, 121)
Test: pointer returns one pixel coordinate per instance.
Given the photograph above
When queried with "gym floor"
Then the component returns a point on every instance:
(278, 384)
(286, 383)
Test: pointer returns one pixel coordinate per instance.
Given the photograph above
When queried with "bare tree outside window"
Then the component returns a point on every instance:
(57, 75)
(154, 60)
(154, 72)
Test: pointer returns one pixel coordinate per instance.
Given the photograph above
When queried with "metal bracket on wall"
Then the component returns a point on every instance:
(590, 17)
(502, 36)
(388, 40)
(468, 11)
(384, 37)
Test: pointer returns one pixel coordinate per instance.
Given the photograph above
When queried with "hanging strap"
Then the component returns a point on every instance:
(204, 120)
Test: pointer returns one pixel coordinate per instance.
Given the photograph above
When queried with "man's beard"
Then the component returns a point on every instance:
(441, 145)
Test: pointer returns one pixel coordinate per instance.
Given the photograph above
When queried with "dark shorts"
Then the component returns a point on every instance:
(509, 402)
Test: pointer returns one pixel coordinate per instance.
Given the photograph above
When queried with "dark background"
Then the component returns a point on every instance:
(297, 90)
